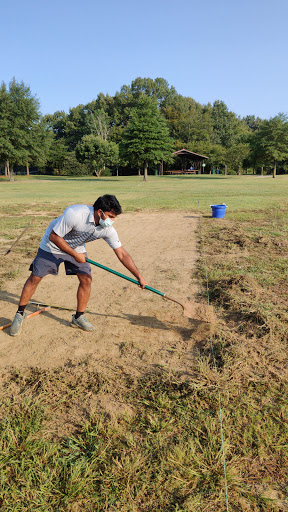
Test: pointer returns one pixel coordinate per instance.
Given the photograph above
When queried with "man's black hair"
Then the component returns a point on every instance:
(108, 203)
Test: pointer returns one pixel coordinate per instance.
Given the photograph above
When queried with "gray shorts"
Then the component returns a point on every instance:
(48, 263)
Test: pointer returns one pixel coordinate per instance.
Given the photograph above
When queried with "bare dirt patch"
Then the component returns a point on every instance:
(135, 330)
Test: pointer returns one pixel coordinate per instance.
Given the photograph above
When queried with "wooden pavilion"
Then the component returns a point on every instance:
(189, 159)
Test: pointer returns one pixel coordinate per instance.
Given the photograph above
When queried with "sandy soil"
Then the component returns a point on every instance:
(135, 330)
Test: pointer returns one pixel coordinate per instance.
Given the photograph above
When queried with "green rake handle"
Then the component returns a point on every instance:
(124, 277)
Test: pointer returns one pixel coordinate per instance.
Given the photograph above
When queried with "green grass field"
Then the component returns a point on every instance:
(167, 192)
(167, 457)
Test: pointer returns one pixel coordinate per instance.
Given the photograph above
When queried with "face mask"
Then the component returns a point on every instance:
(106, 223)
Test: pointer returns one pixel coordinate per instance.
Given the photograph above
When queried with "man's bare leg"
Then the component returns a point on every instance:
(29, 289)
(83, 292)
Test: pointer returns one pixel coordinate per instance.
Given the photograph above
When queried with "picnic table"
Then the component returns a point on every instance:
(183, 171)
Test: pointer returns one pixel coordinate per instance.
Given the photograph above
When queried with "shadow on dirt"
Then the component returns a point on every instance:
(145, 321)
(149, 322)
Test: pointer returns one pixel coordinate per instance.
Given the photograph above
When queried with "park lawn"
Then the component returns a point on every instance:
(163, 192)
(167, 456)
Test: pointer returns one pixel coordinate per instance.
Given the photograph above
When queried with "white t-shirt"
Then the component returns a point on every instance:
(77, 226)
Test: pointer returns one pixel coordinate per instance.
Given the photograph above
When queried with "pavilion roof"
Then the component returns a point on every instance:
(189, 154)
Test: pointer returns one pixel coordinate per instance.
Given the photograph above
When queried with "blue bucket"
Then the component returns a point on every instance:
(218, 210)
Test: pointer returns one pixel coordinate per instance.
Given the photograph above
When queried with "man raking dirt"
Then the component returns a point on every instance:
(64, 242)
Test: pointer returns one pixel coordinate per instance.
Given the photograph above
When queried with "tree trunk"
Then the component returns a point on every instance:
(7, 168)
(262, 171)
(145, 171)
(274, 170)
(225, 171)
(117, 172)
(11, 172)
(161, 168)
(27, 169)
(239, 171)
(139, 171)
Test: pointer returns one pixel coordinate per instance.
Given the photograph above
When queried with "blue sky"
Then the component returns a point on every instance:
(69, 51)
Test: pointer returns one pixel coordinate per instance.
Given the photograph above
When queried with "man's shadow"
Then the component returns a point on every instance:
(138, 320)
(31, 308)
(153, 323)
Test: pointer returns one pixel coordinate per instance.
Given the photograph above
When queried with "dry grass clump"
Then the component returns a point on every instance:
(246, 274)
(250, 290)
(166, 456)
(68, 394)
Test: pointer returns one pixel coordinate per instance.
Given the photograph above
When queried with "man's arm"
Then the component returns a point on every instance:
(63, 246)
(127, 261)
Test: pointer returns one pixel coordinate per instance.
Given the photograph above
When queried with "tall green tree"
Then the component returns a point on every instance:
(224, 124)
(158, 89)
(72, 167)
(38, 145)
(56, 155)
(97, 153)
(19, 115)
(99, 124)
(185, 120)
(252, 122)
(235, 156)
(57, 123)
(77, 126)
(270, 141)
(6, 144)
(120, 112)
(146, 139)
(217, 156)
(255, 158)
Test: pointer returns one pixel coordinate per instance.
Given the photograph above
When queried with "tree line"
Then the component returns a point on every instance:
(135, 131)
